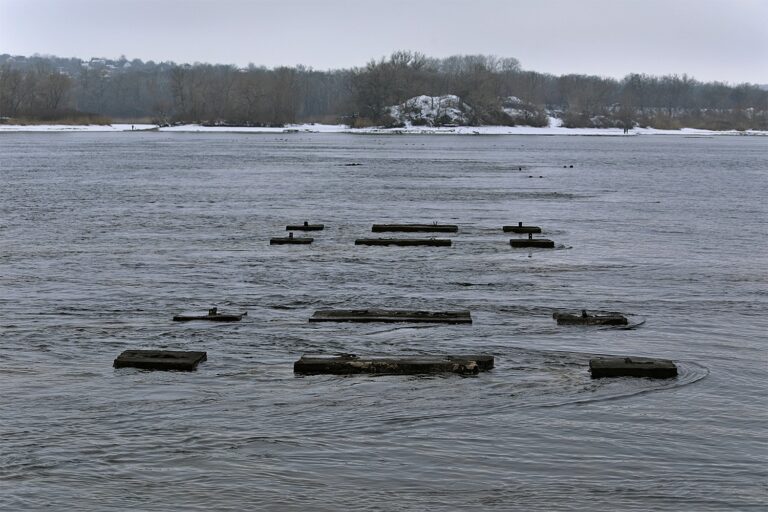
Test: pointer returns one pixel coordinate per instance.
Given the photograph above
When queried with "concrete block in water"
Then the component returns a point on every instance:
(405, 242)
(632, 367)
(415, 228)
(160, 359)
(305, 227)
(521, 229)
(290, 239)
(586, 319)
(212, 316)
(347, 364)
(391, 315)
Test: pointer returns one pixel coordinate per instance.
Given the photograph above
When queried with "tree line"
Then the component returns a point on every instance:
(46, 88)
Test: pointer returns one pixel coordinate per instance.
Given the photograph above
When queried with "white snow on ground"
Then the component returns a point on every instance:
(554, 128)
(555, 122)
(75, 128)
(289, 128)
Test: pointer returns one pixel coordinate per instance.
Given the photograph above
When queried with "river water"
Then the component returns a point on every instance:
(106, 236)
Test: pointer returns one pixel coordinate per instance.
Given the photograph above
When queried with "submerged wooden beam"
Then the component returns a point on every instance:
(632, 367)
(212, 316)
(160, 359)
(405, 242)
(521, 229)
(290, 239)
(391, 315)
(416, 228)
(586, 319)
(532, 242)
(347, 364)
(305, 227)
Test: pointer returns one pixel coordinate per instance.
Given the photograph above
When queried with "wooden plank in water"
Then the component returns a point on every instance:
(405, 242)
(632, 367)
(212, 316)
(586, 319)
(391, 316)
(160, 359)
(532, 242)
(521, 229)
(291, 240)
(347, 364)
(415, 228)
(305, 227)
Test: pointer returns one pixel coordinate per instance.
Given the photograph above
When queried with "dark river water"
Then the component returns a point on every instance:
(104, 237)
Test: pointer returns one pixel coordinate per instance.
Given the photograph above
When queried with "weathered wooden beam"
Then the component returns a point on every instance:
(632, 367)
(415, 228)
(405, 242)
(212, 316)
(347, 364)
(391, 315)
(586, 319)
(160, 359)
(521, 229)
(305, 227)
(290, 239)
(532, 242)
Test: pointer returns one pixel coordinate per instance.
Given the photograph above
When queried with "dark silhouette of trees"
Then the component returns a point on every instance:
(490, 90)
(13, 94)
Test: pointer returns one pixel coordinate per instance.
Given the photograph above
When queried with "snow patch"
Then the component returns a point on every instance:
(75, 128)
(288, 128)
(431, 111)
(555, 128)
(554, 122)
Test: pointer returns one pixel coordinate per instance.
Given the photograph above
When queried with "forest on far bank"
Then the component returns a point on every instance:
(490, 91)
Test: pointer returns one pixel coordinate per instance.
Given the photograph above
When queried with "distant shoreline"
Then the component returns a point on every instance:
(408, 130)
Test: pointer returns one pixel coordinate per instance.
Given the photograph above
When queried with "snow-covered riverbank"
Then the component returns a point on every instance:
(554, 128)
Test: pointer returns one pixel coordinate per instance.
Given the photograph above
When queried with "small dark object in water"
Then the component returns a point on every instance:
(305, 227)
(416, 228)
(532, 242)
(586, 319)
(521, 229)
(347, 364)
(571, 166)
(405, 242)
(391, 315)
(632, 367)
(290, 239)
(353, 164)
(160, 359)
(212, 316)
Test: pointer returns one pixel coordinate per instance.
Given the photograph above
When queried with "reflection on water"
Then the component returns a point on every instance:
(106, 236)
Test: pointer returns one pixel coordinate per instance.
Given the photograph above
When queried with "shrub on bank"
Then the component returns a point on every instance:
(362, 122)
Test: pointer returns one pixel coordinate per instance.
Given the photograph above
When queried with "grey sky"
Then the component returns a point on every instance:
(723, 40)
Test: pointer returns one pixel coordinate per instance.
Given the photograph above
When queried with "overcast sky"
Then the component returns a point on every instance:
(724, 40)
